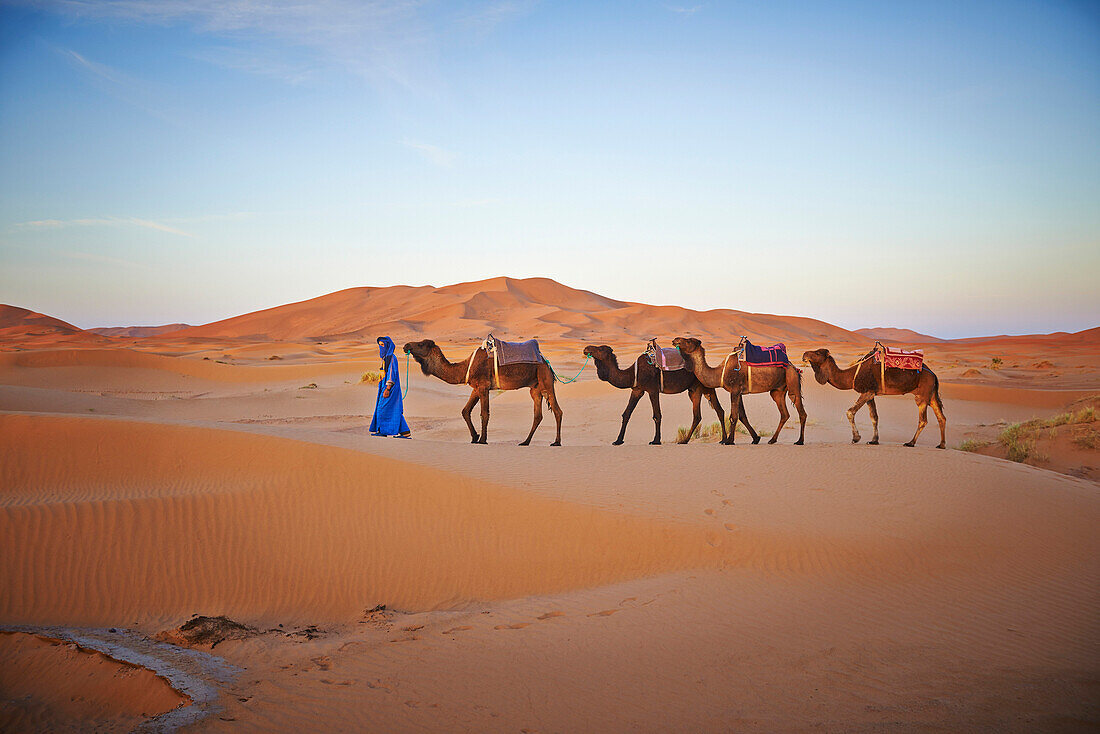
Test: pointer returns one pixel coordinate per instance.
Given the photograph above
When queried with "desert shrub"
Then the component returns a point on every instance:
(1086, 437)
(1019, 441)
(713, 432)
(370, 378)
(310, 386)
(972, 444)
(996, 363)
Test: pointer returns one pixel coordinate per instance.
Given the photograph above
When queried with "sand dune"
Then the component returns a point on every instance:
(587, 587)
(137, 331)
(901, 336)
(532, 307)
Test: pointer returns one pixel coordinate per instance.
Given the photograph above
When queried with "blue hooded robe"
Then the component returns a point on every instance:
(389, 419)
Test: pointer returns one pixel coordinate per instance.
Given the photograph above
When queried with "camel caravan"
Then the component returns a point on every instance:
(683, 368)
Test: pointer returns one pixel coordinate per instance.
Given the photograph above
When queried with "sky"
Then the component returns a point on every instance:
(926, 165)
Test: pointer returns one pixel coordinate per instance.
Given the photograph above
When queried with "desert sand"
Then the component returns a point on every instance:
(433, 585)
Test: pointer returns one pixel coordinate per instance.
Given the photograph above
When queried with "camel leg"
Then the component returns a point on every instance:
(717, 405)
(779, 395)
(536, 395)
(744, 418)
(474, 397)
(938, 410)
(552, 399)
(863, 398)
(635, 396)
(922, 421)
(696, 395)
(794, 391)
(655, 399)
(484, 416)
(735, 409)
(873, 409)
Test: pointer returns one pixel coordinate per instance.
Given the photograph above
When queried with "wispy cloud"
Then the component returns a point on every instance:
(383, 40)
(685, 10)
(432, 153)
(102, 222)
(119, 85)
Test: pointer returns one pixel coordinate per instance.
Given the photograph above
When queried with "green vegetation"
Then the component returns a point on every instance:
(310, 386)
(996, 363)
(972, 444)
(1019, 438)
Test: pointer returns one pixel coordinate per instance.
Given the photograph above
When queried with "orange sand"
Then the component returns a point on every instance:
(583, 588)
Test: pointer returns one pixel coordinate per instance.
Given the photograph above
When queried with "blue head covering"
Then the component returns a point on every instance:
(386, 348)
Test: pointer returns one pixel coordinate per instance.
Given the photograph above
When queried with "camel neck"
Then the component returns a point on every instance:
(453, 373)
(707, 375)
(838, 378)
(609, 371)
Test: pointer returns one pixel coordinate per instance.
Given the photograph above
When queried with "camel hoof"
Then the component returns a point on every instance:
(855, 439)
(654, 443)
(942, 446)
(556, 443)
(756, 441)
(475, 439)
(774, 439)
(483, 442)
(910, 444)
(798, 442)
(525, 443)
(616, 443)
(873, 442)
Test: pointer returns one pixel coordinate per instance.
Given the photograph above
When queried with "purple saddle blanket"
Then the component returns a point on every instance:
(668, 359)
(514, 352)
(775, 354)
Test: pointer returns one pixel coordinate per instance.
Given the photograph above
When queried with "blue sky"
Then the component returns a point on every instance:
(927, 165)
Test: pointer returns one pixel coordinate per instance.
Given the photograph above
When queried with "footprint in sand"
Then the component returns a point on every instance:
(604, 613)
(727, 502)
(730, 526)
(412, 628)
(452, 630)
(406, 638)
(516, 626)
(551, 615)
(708, 512)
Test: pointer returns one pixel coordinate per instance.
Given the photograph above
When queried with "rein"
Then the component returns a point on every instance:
(558, 378)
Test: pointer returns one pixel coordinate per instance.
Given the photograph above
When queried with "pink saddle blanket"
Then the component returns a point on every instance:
(901, 359)
(514, 352)
(668, 359)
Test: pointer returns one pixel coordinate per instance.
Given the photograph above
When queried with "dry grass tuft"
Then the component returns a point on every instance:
(370, 378)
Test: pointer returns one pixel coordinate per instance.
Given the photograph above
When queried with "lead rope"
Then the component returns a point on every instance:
(571, 379)
(406, 377)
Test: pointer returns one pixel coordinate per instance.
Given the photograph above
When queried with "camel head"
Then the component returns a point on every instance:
(604, 357)
(602, 353)
(688, 345)
(420, 351)
(817, 359)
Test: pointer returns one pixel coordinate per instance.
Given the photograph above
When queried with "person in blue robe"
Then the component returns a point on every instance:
(389, 418)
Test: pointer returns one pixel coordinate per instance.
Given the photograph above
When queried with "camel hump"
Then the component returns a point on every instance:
(776, 354)
(902, 359)
(667, 359)
(514, 352)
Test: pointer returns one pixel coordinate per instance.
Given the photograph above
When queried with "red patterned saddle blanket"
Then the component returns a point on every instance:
(901, 359)
(667, 359)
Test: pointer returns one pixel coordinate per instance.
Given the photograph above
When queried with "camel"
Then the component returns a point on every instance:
(479, 376)
(779, 380)
(643, 377)
(867, 380)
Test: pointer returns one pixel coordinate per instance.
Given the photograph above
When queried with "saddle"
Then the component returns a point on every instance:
(666, 359)
(765, 356)
(513, 352)
(901, 359)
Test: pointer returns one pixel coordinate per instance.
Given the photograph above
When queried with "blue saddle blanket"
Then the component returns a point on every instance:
(775, 354)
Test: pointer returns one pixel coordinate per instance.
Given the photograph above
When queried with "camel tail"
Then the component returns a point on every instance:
(936, 393)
